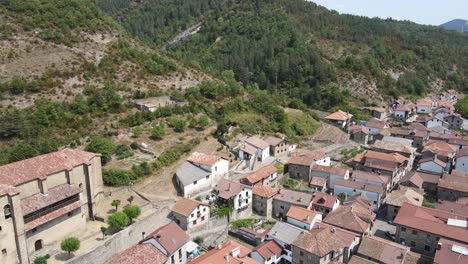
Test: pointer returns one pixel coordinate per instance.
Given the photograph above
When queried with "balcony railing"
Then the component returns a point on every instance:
(46, 210)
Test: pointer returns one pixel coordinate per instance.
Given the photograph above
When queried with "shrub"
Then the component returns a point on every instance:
(40, 260)
(101, 145)
(118, 220)
(117, 177)
(137, 131)
(132, 212)
(123, 152)
(158, 132)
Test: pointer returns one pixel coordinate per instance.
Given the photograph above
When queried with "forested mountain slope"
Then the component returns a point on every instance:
(297, 48)
(67, 71)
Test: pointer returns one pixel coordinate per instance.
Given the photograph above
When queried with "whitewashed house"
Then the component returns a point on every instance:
(200, 173)
(373, 193)
(424, 106)
(461, 160)
(302, 217)
(254, 148)
(434, 165)
(269, 252)
(235, 193)
(190, 214)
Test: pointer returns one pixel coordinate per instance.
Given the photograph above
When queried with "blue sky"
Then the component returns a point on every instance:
(432, 12)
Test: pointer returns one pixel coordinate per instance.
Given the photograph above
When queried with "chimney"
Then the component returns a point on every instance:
(143, 234)
(226, 257)
(158, 237)
(219, 246)
(333, 230)
(307, 218)
(439, 246)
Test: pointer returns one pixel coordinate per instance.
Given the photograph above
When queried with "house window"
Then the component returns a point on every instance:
(207, 176)
(38, 245)
(204, 209)
(301, 262)
(195, 182)
(172, 259)
(301, 254)
(414, 232)
(412, 244)
(195, 222)
(216, 168)
(34, 230)
(7, 211)
(282, 207)
(180, 253)
(403, 229)
(427, 248)
(4, 251)
(203, 218)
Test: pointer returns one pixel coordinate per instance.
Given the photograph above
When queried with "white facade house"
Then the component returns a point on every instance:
(434, 122)
(190, 214)
(433, 165)
(424, 106)
(269, 252)
(329, 173)
(200, 173)
(238, 194)
(302, 217)
(254, 148)
(461, 160)
(373, 193)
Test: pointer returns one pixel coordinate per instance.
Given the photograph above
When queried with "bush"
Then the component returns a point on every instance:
(158, 132)
(101, 145)
(137, 131)
(117, 177)
(177, 124)
(40, 260)
(199, 240)
(132, 212)
(70, 244)
(242, 223)
(118, 220)
(123, 152)
(134, 145)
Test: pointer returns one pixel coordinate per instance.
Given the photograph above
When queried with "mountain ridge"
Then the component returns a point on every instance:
(459, 25)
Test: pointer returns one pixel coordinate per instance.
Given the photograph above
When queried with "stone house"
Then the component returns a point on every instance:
(324, 244)
(359, 134)
(379, 113)
(154, 103)
(287, 198)
(421, 181)
(264, 176)
(421, 228)
(279, 146)
(200, 173)
(42, 197)
(454, 120)
(284, 235)
(340, 119)
(395, 147)
(324, 203)
(451, 187)
(397, 198)
(318, 184)
(263, 200)
(299, 166)
(190, 214)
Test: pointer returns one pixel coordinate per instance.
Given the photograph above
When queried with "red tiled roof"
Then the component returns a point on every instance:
(359, 185)
(446, 254)
(330, 169)
(56, 194)
(375, 124)
(354, 217)
(382, 250)
(294, 197)
(451, 182)
(324, 199)
(393, 157)
(203, 159)
(273, 141)
(462, 153)
(439, 147)
(339, 116)
(302, 214)
(171, 237)
(265, 191)
(218, 255)
(185, 206)
(307, 159)
(40, 167)
(404, 195)
(380, 165)
(393, 146)
(257, 142)
(8, 189)
(424, 102)
(369, 176)
(318, 181)
(323, 239)
(268, 249)
(261, 174)
(434, 159)
(52, 215)
(358, 129)
(453, 207)
(227, 188)
(139, 254)
(427, 220)
(459, 173)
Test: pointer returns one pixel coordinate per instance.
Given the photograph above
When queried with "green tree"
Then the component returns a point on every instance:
(118, 220)
(40, 260)
(341, 197)
(102, 145)
(103, 231)
(130, 199)
(116, 203)
(203, 121)
(132, 211)
(70, 244)
(462, 107)
(158, 132)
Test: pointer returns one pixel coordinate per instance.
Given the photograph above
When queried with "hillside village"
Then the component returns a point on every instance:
(397, 196)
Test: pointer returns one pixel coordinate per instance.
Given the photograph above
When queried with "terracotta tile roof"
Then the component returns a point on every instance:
(393, 146)
(380, 109)
(257, 142)
(404, 195)
(323, 239)
(354, 217)
(355, 259)
(375, 124)
(369, 176)
(324, 200)
(405, 108)
(434, 159)
(424, 102)
(273, 141)
(361, 200)
(462, 153)
(382, 250)
(268, 249)
(265, 191)
(393, 157)
(453, 207)
(40, 167)
(459, 173)
(8, 190)
(227, 188)
(329, 169)
(218, 255)
(203, 159)
(185, 206)
(248, 149)
(317, 181)
(307, 159)
(452, 182)
(52, 215)
(428, 220)
(439, 147)
(418, 178)
(462, 200)
(359, 186)
(139, 254)
(257, 234)
(447, 105)
(302, 214)
(381, 165)
(417, 126)
(293, 197)
(38, 201)
(447, 254)
(459, 141)
(358, 129)
(261, 174)
(339, 116)
(171, 237)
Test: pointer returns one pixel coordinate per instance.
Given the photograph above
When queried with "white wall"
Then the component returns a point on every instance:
(371, 196)
(300, 224)
(324, 162)
(246, 193)
(434, 123)
(462, 164)
(423, 109)
(431, 166)
(205, 214)
(400, 114)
